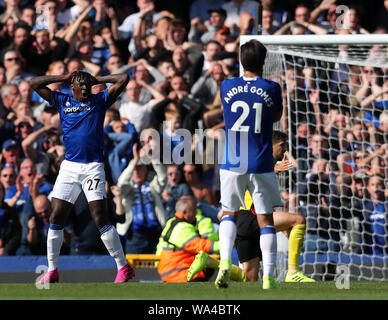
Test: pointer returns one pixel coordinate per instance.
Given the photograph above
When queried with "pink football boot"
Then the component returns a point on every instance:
(124, 274)
(50, 277)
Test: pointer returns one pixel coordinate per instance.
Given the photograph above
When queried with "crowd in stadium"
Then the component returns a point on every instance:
(177, 54)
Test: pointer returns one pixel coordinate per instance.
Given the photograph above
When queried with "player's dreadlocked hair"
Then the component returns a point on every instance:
(80, 75)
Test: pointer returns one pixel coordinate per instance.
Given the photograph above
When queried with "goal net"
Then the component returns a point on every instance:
(335, 97)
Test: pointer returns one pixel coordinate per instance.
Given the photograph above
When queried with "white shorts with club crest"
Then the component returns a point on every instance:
(75, 177)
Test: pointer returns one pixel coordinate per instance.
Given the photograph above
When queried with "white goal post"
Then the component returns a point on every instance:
(309, 39)
(335, 99)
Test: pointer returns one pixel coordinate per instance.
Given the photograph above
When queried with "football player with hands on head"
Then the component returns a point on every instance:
(82, 117)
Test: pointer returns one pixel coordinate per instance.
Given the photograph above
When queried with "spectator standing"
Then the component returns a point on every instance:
(280, 16)
(184, 67)
(216, 22)
(235, 8)
(10, 155)
(18, 194)
(199, 9)
(28, 15)
(38, 226)
(22, 31)
(143, 72)
(12, 61)
(11, 10)
(315, 207)
(267, 21)
(372, 212)
(211, 48)
(128, 26)
(201, 191)
(26, 92)
(352, 22)
(207, 87)
(41, 159)
(144, 212)
(10, 228)
(7, 178)
(68, 15)
(136, 112)
(39, 52)
(119, 154)
(175, 189)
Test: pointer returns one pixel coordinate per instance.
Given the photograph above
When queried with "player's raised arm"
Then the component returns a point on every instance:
(119, 81)
(39, 84)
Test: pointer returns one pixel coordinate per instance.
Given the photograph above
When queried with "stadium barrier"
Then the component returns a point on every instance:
(142, 260)
(148, 260)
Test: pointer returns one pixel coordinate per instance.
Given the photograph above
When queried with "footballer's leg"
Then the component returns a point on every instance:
(268, 246)
(111, 240)
(203, 260)
(232, 187)
(58, 218)
(251, 269)
(283, 222)
(248, 244)
(200, 263)
(65, 192)
(265, 194)
(227, 235)
(94, 187)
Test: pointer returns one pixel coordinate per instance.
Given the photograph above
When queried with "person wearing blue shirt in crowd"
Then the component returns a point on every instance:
(172, 141)
(18, 194)
(375, 103)
(175, 188)
(38, 226)
(141, 198)
(10, 154)
(128, 26)
(122, 137)
(104, 46)
(372, 212)
(200, 9)
(10, 228)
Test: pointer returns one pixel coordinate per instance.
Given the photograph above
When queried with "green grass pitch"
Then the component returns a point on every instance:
(360, 290)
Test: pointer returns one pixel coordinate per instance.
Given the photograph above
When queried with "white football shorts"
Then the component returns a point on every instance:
(75, 177)
(263, 188)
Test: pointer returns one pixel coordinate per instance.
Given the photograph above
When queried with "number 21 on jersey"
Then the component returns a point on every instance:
(257, 106)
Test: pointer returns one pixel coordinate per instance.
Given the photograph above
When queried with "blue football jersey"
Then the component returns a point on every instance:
(250, 105)
(83, 125)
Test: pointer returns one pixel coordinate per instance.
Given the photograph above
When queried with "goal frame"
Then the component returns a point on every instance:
(329, 40)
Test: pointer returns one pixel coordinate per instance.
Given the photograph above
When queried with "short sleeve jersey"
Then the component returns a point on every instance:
(83, 125)
(249, 107)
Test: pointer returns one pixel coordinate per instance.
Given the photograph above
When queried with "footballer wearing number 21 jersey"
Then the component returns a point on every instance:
(249, 106)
